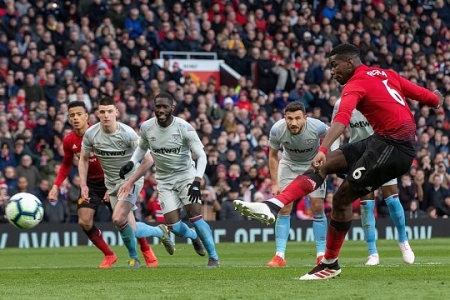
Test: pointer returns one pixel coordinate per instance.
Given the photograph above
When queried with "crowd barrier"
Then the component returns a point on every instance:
(69, 235)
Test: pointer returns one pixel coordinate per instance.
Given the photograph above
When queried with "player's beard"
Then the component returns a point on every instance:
(164, 118)
(294, 131)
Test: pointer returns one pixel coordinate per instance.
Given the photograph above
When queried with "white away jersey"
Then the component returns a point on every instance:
(112, 150)
(359, 127)
(300, 148)
(170, 147)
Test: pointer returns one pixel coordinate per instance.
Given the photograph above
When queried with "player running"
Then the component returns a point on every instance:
(113, 144)
(380, 96)
(78, 117)
(299, 137)
(171, 141)
(360, 129)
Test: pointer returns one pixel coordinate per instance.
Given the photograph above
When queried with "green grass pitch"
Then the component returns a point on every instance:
(71, 273)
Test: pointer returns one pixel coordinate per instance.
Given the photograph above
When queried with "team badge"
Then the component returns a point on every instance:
(176, 138)
(121, 144)
(310, 141)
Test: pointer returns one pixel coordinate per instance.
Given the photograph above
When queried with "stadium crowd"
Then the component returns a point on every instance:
(53, 52)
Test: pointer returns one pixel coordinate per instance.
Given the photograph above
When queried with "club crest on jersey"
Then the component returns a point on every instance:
(309, 141)
(121, 144)
(176, 138)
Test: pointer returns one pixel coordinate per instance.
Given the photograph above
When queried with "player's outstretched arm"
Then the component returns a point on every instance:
(83, 167)
(423, 95)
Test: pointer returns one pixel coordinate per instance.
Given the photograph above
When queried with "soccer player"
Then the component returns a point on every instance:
(113, 144)
(171, 141)
(78, 118)
(300, 138)
(380, 96)
(360, 129)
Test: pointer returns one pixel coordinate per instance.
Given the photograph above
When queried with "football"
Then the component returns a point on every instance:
(24, 211)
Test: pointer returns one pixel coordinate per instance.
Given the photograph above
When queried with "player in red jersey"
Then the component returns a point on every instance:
(380, 96)
(78, 117)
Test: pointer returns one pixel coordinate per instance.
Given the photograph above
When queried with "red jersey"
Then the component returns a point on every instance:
(380, 96)
(72, 147)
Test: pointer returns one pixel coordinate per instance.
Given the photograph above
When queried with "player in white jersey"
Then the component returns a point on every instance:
(113, 144)
(299, 137)
(171, 141)
(360, 129)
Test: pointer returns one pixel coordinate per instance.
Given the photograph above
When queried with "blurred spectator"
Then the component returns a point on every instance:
(303, 209)
(30, 172)
(210, 206)
(6, 157)
(414, 212)
(3, 203)
(443, 207)
(423, 189)
(227, 211)
(407, 191)
(437, 193)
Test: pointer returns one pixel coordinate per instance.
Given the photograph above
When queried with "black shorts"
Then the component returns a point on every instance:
(97, 192)
(376, 160)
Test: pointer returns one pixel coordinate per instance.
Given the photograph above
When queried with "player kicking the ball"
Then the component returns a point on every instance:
(380, 96)
(78, 117)
(171, 141)
(299, 137)
(360, 129)
(113, 144)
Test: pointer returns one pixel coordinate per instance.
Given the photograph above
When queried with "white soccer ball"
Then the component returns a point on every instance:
(24, 211)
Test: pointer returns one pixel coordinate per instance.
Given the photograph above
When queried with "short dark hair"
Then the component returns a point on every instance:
(77, 104)
(106, 100)
(344, 51)
(295, 106)
(165, 96)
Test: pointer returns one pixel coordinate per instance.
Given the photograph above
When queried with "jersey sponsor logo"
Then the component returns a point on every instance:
(374, 73)
(300, 150)
(176, 138)
(109, 153)
(359, 124)
(167, 150)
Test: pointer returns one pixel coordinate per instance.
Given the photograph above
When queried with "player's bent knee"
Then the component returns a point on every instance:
(85, 223)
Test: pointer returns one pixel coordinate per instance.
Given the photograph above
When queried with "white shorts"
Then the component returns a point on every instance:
(288, 172)
(391, 182)
(174, 195)
(132, 197)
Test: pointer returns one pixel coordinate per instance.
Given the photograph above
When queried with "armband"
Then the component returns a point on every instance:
(323, 150)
